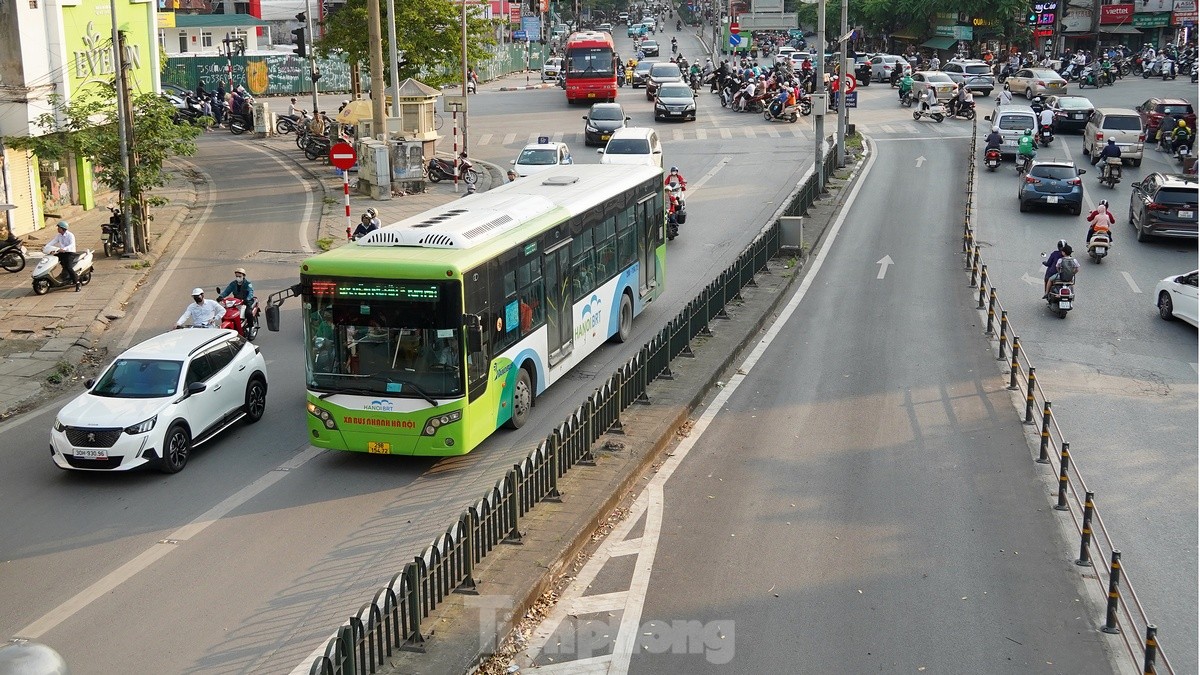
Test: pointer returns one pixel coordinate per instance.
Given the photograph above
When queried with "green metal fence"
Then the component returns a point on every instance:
(271, 75)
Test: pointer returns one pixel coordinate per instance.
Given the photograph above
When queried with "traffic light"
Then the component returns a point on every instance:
(298, 37)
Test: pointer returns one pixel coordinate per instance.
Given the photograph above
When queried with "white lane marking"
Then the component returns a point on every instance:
(883, 266)
(920, 161)
(308, 195)
(696, 185)
(484, 139)
(590, 604)
(924, 139)
(701, 134)
(1132, 284)
(509, 139)
(725, 133)
(163, 278)
(125, 572)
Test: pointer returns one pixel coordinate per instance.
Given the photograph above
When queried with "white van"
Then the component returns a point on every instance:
(633, 145)
(1014, 121)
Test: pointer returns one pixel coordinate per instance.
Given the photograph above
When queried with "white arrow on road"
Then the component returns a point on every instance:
(883, 265)
(920, 161)
(1032, 281)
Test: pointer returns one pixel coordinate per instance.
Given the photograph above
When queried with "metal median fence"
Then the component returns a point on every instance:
(392, 619)
(1124, 614)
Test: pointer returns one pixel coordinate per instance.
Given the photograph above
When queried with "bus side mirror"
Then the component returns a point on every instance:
(273, 318)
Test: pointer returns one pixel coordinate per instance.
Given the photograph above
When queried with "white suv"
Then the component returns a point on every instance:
(160, 399)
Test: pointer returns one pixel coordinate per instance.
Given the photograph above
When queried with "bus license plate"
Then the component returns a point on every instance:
(378, 448)
(592, 95)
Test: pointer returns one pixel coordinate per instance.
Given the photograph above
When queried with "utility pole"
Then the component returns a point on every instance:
(123, 134)
(845, 72)
(819, 85)
(393, 57)
(376, 46)
(464, 74)
(313, 73)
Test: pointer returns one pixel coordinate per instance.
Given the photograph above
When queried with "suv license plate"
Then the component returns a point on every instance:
(1187, 214)
(378, 448)
(81, 453)
(1051, 200)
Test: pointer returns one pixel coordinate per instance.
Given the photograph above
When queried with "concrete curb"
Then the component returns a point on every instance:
(528, 87)
(578, 534)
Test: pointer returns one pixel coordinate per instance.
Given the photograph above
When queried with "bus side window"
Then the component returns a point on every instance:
(606, 249)
(582, 260)
(626, 237)
(532, 296)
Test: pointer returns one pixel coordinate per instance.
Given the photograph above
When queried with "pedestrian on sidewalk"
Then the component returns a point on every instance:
(63, 246)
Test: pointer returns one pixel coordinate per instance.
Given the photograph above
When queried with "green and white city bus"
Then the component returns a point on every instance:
(426, 335)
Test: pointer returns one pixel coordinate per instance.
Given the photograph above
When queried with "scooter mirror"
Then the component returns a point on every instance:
(273, 318)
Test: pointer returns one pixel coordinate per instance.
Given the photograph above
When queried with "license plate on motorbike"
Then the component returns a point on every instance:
(1187, 214)
(104, 237)
(1101, 250)
(1064, 304)
(379, 448)
(1051, 200)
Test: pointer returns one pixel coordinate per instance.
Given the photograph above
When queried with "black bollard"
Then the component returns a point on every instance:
(1085, 532)
(1114, 595)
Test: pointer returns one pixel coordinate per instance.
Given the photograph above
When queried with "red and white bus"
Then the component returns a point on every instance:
(590, 68)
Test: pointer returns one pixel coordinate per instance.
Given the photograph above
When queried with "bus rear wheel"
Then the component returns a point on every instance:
(624, 319)
(522, 400)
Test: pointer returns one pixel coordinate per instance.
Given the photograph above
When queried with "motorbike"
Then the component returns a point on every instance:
(678, 25)
(804, 102)
(991, 158)
(1110, 175)
(1167, 69)
(12, 254)
(964, 109)
(787, 113)
(937, 112)
(727, 93)
(672, 220)
(1088, 78)
(620, 77)
(317, 146)
(1099, 246)
(472, 87)
(48, 273)
(675, 194)
(1182, 153)
(1061, 297)
(1045, 135)
(440, 169)
(1194, 74)
(286, 125)
(112, 233)
(906, 99)
(240, 123)
(752, 105)
(232, 319)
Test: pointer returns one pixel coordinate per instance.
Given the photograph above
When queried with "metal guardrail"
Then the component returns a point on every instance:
(392, 620)
(1124, 614)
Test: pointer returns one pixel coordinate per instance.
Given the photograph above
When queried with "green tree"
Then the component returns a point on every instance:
(87, 127)
(428, 32)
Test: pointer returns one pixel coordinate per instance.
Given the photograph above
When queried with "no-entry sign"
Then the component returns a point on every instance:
(342, 156)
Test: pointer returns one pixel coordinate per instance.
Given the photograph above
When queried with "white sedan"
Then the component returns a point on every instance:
(1036, 82)
(538, 157)
(941, 83)
(1176, 298)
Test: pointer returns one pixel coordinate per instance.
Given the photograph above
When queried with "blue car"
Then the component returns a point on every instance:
(635, 30)
(1052, 183)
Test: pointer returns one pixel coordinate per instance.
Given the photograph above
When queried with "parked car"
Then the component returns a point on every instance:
(159, 400)
(538, 157)
(1052, 183)
(1036, 82)
(883, 65)
(661, 73)
(675, 100)
(601, 121)
(1164, 205)
(649, 47)
(641, 72)
(1071, 113)
(1122, 124)
(1175, 297)
(941, 83)
(552, 68)
(976, 76)
(1153, 109)
(633, 145)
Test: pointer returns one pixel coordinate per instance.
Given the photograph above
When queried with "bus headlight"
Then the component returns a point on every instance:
(438, 421)
(321, 414)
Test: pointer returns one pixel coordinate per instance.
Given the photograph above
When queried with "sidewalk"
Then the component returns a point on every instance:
(52, 341)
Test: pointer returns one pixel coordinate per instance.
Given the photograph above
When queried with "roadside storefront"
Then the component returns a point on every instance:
(1153, 19)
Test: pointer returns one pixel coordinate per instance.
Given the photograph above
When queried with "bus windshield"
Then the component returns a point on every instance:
(590, 62)
(384, 337)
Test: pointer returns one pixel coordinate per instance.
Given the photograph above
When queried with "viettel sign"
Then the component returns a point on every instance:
(1116, 14)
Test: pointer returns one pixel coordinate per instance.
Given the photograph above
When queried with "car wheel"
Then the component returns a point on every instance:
(1165, 309)
(1028, 94)
(1024, 206)
(624, 319)
(256, 400)
(1076, 210)
(522, 400)
(177, 446)
(1141, 232)
(1136, 162)
(987, 92)
(1086, 152)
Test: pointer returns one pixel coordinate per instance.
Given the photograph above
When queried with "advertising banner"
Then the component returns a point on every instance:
(1115, 14)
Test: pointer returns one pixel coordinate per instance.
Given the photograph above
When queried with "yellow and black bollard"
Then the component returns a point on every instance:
(1003, 334)
(1016, 364)
(1151, 649)
(1043, 454)
(1030, 385)
(1064, 464)
(983, 282)
(1085, 532)
(1114, 595)
(991, 317)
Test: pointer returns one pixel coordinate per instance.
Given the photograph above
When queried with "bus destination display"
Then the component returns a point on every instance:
(376, 290)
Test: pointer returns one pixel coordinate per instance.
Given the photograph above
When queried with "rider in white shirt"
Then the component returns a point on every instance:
(63, 246)
(201, 313)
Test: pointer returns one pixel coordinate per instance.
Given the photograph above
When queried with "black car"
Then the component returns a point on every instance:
(1164, 205)
(601, 121)
(661, 73)
(1071, 113)
(641, 73)
(649, 47)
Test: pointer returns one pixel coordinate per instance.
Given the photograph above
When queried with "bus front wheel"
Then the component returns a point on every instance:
(522, 400)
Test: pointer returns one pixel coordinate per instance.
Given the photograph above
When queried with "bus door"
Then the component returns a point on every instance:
(560, 326)
(649, 218)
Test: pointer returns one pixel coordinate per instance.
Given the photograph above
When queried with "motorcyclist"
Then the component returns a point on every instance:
(1051, 264)
(674, 176)
(1038, 106)
(674, 45)
(1100, 221)
(1111, 149)
(957, 99)
(906, 83)
(243, 290)
(63, 246)
(1166, 125)
(994, 140)
(1026, 148)
(1046, 119)
(1181, 136)
(929, 99)
(1065, 268)
(201, 313)
(368, 224)
(781, 99)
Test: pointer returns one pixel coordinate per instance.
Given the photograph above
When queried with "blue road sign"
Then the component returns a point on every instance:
(852, 99)
(518, 35)
(734, 40)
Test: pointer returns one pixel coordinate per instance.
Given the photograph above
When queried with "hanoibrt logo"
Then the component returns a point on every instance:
(590, 316)
(382, 405)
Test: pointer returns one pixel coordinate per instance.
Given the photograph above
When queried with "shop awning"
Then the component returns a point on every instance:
(940, 42)
(1124, 29)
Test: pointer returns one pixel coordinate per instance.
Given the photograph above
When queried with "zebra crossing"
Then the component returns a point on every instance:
(799, 131)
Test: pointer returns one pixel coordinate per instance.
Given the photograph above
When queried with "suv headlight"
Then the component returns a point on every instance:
(58, 425)
(142, 427)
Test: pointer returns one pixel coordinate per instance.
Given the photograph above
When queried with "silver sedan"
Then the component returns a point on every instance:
(1037, 82)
